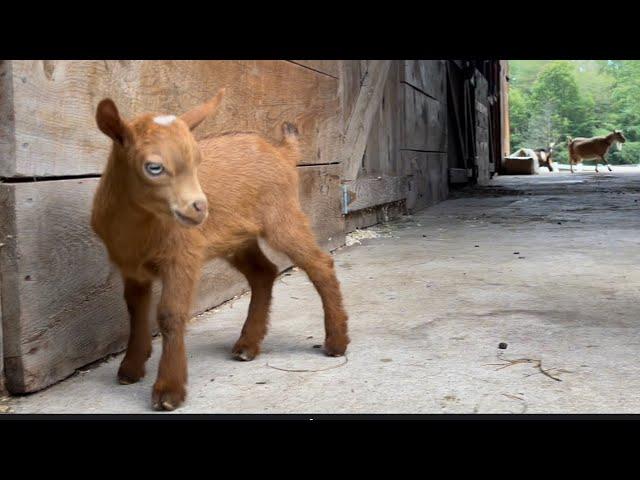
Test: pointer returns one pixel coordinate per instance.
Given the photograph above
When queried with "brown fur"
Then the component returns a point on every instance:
(214, 199)
(595, 148)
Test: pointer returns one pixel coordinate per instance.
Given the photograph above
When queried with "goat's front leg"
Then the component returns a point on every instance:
(138, 296)
(604, 160)
(178, 285)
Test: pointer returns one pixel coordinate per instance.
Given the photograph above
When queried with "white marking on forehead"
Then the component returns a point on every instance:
(165, 120)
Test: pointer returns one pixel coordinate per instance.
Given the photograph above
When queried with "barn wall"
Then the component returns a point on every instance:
(404, 165)
(60, 299)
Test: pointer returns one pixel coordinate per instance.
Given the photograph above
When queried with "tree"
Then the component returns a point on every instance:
(556, 88)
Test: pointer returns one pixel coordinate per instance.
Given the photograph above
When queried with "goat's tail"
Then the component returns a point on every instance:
(569, 142)
(291, 143)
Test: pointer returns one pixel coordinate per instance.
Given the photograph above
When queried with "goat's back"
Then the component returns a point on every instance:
(588, 148)
(245, 173)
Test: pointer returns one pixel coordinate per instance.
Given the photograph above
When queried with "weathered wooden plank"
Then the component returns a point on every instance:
(425, 122)
(54, 106)
(427, 179)
(370, 216)
(7, 127)
(482, 129)
(2, 387)
(362, 117)
(382, 153)
(350, 80)
(62, 300)
(328, 67)
(429, 76)
(481, 88)
(367, 192)
(504, 109)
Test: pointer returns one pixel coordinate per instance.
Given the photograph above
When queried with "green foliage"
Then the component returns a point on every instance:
(629, 154)
(552, 100)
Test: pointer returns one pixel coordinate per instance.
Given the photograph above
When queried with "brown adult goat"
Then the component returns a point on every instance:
(166, 204)
(593, 148)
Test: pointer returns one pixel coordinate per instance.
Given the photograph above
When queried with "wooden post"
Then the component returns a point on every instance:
(504, 109)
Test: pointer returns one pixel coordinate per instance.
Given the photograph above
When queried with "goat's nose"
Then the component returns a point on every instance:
(200, 205)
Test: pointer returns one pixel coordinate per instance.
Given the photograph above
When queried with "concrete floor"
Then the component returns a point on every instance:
(546, 264)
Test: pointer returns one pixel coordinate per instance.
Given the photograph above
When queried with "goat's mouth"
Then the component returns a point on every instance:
(185, 220)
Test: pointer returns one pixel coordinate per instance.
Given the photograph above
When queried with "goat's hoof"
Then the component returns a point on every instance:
(336, 346)
(244, 352)
(167, 399)
(129, 373)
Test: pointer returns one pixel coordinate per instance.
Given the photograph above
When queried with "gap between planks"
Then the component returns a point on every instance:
(421, 91)
(422, 151)
(47, 179)
(312, 69)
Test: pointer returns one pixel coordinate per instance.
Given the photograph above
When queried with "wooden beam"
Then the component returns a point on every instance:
(367, 192)
(362, 116)
(2, 387)
(7, 121)
(504, 109)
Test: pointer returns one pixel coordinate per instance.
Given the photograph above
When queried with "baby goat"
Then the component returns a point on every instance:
(593, 148)
(166, 204)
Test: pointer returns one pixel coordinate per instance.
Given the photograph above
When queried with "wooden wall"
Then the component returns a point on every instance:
(61, 300)
(404, 165)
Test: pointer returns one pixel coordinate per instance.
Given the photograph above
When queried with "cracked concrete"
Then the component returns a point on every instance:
(546, 264)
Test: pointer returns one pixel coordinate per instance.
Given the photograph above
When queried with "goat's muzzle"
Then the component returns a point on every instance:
(193, 215)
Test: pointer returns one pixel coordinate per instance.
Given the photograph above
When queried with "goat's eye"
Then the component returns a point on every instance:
(154, 169)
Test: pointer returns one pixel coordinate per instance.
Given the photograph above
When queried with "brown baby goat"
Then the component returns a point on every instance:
(166, 204)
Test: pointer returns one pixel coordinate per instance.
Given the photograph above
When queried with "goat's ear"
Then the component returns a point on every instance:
(194, 117)
(110, 123)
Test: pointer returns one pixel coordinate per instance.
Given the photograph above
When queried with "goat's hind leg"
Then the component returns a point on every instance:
(293, 236)
(260, 273)
(138, 298)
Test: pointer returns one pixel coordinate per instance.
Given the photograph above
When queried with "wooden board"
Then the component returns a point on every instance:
(328, 67)
(363, 116)
(7, 137)
(370, 191)
(53, 105)
(427, 179)
(482, 130)
(62, 300)
(350, 80)
(2, 388)
(382, 153)
(428, 76)
(425, 122)
(481, 88)
(371, 216)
